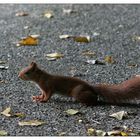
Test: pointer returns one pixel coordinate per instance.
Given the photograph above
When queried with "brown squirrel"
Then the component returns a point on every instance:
(78, 89)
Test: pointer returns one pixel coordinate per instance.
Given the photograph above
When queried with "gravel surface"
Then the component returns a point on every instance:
(112, 29)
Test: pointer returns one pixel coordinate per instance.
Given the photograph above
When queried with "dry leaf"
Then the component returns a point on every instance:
(29, 41)
(119, 115)
(31, 123)
(22, 14)
(114, 133)
(88, 53)
(109, 59)
(100, 133)
(65, 36)
(35, 36)
(80, 121)
(4, 67)
(132, 65)
(82, 39)
(55, 55)
(3, 133)
(2, 62)
(93, 62)
(48, 14)
(91, 131)
(72, 111)
(124, 134)
(68, 11)
(62, 134)
(6, 112)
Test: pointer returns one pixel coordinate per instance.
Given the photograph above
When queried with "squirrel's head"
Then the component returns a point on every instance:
(28, 73)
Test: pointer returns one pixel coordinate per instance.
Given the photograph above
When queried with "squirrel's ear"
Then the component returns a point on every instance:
(33, 64)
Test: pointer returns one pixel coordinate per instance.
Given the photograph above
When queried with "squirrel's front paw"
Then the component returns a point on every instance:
(39, 98)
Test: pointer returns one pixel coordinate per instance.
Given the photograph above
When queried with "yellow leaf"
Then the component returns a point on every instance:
(109, 59)
(124, 134)
(29, 41)
(3, 133)
(31, 123)
(22, 14)
(6, 112)
(82, 39)
(88, 53)
(72, 111)
(55, 55)
(91, 131)
(48, 14)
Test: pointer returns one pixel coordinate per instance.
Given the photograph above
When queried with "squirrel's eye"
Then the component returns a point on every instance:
(28, 72)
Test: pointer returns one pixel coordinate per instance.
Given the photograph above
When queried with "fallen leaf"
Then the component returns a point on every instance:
(93, 62)
(48, 14)
(35, 36)
(31, 123)
(100, 133)
(114, 133)
(91, 131)
(65, 36)
(124, 134)
(29, 41)
(55, 55)
(2, 62)
(72, 111)
(80, 121)
(88, 53)
(6, 112)
(4, 67)
(109, 59)
(132, 65)
(68, 11)
(22, 14)
(3, 81)
(62, 134)
(119, 115)
(82, 39)
(3, 133)
(135, 38)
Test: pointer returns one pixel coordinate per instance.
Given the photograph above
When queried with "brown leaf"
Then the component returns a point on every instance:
(82, 39)
(29, 41)
(109, 59)
(22, 14)
(20, 115)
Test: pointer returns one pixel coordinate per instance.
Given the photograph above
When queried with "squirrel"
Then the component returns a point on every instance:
(82, 91)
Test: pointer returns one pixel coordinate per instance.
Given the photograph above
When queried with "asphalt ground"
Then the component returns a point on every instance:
(112, 29)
